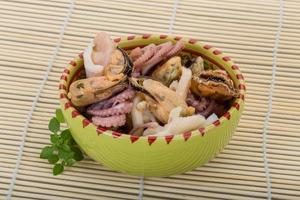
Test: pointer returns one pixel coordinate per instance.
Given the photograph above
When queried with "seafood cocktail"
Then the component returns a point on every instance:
(148, 97)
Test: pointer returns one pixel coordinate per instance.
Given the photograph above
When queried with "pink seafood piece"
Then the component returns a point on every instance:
(122, 108)
(176, 49)
(102, 49)
(205, 106)
(112, 121)
(162, 51)
(199, 104)
(135, 53)
(149, 51)
(119, 98)
(122, 97)
(209, 109)
(145, 58)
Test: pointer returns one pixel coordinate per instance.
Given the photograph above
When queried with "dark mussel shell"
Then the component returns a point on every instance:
(118, 86)
(137, 84)
(187, 59)
(128, 64)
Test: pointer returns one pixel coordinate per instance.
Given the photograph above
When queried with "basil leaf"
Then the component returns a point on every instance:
(64, 150)
(72, 141)
(46, 152)
(54, 125)
(53, 159)
(54, 138)
(59, 116)
(65, 155)
(70, 162)
(66, 147)
(58, 169)
(78, 156)
(66, 135)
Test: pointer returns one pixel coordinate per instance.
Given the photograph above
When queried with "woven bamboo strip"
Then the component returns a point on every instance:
(233, 173)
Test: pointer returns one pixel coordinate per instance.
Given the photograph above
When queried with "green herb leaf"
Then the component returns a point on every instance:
(78, 156)
(54, 138)
(46, 152)
(54, 125)
(59, 116)
(53, 159)
(58, 169)
(65, 155)
(70, 162)
(66, 135)
(64, 150)
(72, 141)
(66, 147)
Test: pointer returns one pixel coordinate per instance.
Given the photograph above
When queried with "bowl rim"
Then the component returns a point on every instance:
(216, 53)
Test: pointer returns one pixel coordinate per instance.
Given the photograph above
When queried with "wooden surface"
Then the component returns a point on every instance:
(38, 38)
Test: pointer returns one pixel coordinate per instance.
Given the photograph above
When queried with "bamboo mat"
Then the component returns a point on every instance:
(38, 38)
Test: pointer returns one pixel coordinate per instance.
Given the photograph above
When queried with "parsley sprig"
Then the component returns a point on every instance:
(63, 150)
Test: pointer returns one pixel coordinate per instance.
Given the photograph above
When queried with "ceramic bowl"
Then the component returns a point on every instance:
(152, 155)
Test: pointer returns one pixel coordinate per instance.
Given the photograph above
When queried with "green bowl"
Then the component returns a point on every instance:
(154, 155)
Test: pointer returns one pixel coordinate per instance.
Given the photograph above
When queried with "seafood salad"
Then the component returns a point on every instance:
(158, 89)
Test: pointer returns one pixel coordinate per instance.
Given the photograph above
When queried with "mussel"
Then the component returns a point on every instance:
(119, 65)
(138, 84)
(186, 59)
(160, 99)
(91, 90)
(215, 84)
(197, 66)
(169, 71)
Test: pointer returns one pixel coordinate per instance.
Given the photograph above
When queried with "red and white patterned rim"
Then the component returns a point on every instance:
(73, 65)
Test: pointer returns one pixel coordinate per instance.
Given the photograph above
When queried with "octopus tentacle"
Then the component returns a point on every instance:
(97, 106)
(205, 106)
(149, 51)
(121, 97)
(145, 48)
(135, 53)
(163, 49)
(112, 121)
(209, 109)
(176, 49)
(199, 104)
(122, 108)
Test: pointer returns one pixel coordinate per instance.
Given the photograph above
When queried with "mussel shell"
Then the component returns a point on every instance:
(137, 84)
(91, 90)
(169, 71)
(122, 82)
(197, 66)
(187, 59)
(218, 76)
(214, 84)
(120, 65)
(128, 65)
